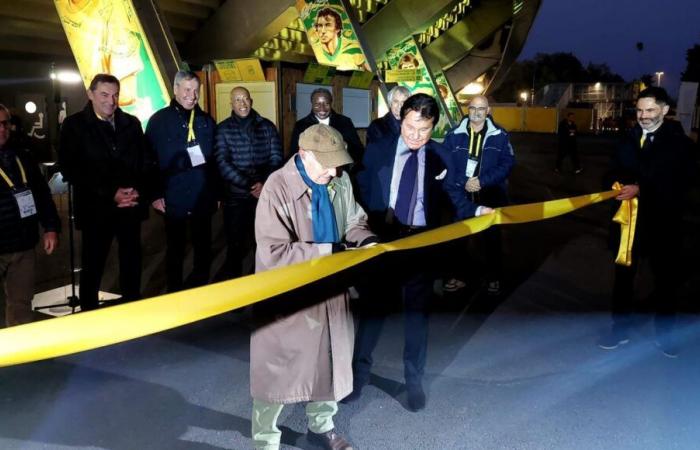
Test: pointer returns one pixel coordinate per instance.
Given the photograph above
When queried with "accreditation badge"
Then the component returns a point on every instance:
(196, 155)
(25, 203)
(472, 163)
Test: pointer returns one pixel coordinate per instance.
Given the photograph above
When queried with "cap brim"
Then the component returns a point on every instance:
(332, 160)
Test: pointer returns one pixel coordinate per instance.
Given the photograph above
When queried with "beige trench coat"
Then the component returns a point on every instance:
(305, 356)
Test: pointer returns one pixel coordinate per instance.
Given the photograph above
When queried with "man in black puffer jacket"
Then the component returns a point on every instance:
(248, 149)
(25, 202)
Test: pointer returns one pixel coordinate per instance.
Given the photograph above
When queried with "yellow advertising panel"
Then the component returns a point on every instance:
(318, 74)
(331, 34)
(361, 80)
(246, 69)
(403, 75)
(107, 37)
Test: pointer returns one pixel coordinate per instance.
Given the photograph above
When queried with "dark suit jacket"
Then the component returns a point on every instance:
(341, 123)
(664, 170)
(374, 182)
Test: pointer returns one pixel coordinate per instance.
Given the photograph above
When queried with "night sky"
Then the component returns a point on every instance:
(606, 31)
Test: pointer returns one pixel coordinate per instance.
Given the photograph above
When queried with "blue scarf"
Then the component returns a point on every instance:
(322, 213)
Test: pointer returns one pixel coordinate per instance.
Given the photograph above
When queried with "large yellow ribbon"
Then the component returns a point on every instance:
(626, 216)
(94, 329)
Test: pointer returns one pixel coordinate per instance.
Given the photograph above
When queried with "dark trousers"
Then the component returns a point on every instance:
(176, 236)
(239, 222)
(664, 269)
(568, 150)
(412, 287)
(97, 237)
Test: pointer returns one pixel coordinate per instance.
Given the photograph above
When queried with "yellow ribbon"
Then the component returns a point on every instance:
(79, 332)
(626, 216)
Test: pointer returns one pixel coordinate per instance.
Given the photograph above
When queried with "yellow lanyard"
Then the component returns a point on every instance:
(641, 140)
(190, 132)
(21, 170)
(474, 151)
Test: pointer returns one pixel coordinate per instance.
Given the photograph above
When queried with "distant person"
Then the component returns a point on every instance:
(480, 159)
(390, 123)
(655, 163)
(568, 145)
(183, 138)
(248, 150)
(322, 112)
(306, 210)
(25, 202)
(103, 153)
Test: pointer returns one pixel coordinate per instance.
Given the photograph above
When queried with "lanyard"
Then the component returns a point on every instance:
(641, 140)
(474, 151)
(7, 179)
(190, 131)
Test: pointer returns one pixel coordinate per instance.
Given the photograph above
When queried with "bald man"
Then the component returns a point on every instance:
(480, 159)
(248, 149)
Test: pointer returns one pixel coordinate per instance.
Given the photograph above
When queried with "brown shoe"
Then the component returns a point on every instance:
(329, 440)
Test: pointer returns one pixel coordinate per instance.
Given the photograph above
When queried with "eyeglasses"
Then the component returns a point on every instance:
(480, 109)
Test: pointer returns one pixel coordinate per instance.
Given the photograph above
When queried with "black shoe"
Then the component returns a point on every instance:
(612, 340)
(329, 440)
(358, 384)
(416, 397)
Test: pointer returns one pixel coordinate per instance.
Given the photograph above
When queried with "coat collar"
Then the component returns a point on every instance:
(491, 128)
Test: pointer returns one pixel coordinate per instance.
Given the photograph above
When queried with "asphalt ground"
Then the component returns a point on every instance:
(521, 371)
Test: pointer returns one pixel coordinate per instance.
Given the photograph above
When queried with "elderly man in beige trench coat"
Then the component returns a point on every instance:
(306, 210)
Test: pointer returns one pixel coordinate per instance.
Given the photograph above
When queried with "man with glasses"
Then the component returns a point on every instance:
(25, 202)
(480, 158)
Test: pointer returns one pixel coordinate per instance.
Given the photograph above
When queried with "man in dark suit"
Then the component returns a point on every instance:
(389, 123)
(400, 187)
(322, 112)
(103, 153)
(654, 161)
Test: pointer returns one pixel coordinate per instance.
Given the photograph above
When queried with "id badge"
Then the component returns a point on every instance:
(25, 203)
(196, 156)
(471, 167)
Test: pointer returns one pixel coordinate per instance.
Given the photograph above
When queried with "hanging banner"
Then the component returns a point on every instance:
(361, 80)
(331, 34)
(405, 57)
(107, 37)
(318, 74)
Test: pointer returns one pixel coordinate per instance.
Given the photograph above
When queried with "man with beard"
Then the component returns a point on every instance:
(654, 162)
(479, 159)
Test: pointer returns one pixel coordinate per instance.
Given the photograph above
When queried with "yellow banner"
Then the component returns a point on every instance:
(402, 75)
(75, 333)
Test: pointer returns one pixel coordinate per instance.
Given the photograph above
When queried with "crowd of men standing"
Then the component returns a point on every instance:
(331, 194)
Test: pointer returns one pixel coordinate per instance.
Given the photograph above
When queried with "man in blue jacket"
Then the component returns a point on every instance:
(479, 158)
(183, 137)
(400, 187)
(248, 150)
(389, 123)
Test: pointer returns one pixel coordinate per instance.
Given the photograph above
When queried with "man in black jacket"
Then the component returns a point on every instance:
(390, 123)
(25, 201)
(248, 149)
(104, 155)
(183, 138)
(654, 161)
(322, 112)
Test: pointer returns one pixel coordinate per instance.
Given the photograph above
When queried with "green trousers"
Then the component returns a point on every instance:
(266, 435)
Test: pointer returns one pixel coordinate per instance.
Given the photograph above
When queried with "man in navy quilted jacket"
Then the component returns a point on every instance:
(248, 149)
